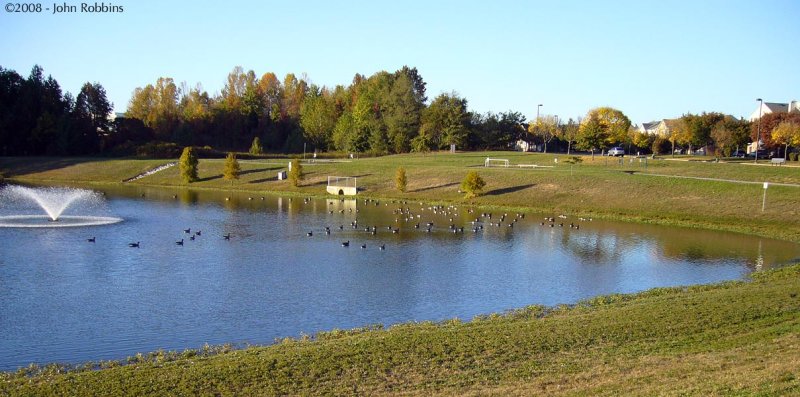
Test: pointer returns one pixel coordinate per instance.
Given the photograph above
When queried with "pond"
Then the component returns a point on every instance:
(65, 299)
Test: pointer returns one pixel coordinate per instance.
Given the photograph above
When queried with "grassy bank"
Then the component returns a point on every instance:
(599, 187)
(735, 338)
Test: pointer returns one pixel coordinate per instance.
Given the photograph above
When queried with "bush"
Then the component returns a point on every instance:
(400, 180)
(161, 150)
(296, 173)
(188, 165)
(473, 184)
(793, 156)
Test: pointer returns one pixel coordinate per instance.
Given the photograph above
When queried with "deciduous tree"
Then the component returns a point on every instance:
(787, 133)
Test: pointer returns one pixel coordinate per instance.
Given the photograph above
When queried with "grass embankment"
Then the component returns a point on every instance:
(730, 338)
(599, 187)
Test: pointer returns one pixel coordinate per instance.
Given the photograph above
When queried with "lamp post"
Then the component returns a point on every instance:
(758, 136)
(537, 118)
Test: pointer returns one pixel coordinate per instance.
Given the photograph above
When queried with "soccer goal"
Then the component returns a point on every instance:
(490, 162)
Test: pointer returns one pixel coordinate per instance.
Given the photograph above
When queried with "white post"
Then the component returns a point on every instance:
(764, 200)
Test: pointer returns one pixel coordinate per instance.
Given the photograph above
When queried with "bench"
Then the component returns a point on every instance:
(778, 161)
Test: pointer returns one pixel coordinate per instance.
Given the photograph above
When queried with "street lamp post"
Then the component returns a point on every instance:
(537, 118)
(758, 136)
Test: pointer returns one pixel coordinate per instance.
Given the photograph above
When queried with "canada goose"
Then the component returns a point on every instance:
(226, 236)
(310, 234)
(199, 232)
(187, 231)
(382, 247)
(346, 243)
(328, 232)
(191, 237)
(134, 245)
(363, 246)
(179, 242)
(91, 240)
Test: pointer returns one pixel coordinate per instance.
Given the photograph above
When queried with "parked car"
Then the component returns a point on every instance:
(762, 154)
(616, 151)
(739, 154)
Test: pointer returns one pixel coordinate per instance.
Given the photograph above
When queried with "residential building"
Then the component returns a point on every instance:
(774, 107)
(660, 128)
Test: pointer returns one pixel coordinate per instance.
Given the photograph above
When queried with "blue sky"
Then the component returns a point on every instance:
(650, 59)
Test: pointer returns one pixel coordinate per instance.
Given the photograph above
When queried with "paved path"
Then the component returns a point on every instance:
(716, 179)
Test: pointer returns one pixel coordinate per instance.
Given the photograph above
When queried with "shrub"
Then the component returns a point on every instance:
(160, 150)
(473, 184)
(232, 168)
(296, 173)
(793, 156)
(400, 180)
(188, 165)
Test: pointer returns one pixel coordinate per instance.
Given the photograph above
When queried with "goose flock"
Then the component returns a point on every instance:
(425, 218)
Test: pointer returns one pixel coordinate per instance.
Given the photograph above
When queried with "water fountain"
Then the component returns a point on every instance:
(54, 201)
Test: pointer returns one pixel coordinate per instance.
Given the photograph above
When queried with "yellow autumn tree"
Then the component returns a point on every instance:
(787, 133)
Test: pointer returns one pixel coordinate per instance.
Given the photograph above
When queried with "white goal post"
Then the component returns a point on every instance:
(490, 162)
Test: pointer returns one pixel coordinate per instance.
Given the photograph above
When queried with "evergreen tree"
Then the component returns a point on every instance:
(232, 168)
(400, 180)
(296, 173)
(472, 185)
(256, 148)
(188, 165)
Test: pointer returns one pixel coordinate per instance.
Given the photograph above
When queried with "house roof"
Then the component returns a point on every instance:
(651, 125)
(775, 107)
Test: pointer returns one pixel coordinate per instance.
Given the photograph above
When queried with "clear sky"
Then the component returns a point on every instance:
(651, 59)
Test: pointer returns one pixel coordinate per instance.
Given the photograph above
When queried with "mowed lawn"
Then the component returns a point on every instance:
(626, 189)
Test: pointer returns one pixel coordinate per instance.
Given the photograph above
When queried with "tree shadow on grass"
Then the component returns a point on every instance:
(270, 179)
(434, 187)
(259, 170)
(209, 178)
(19, 166)
(512, 189)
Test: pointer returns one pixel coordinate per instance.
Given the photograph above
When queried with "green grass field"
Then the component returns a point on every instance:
(735, 338)
(599, 187)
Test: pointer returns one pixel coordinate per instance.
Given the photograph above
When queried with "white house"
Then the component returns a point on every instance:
(774, 107)
(660, 128)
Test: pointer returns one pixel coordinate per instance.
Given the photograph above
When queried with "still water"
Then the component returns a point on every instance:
(64, 299)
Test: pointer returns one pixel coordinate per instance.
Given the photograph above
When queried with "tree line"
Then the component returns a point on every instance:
(36, 118)
(384, 113)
